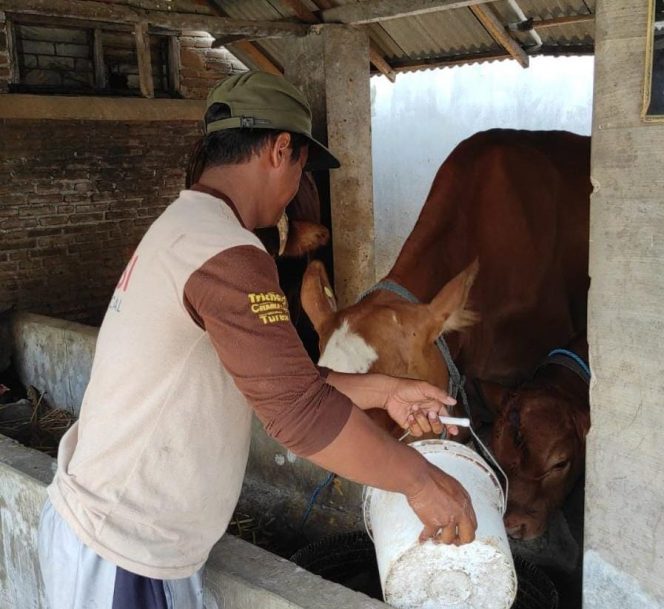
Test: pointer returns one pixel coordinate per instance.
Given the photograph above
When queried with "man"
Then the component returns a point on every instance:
(196, 336)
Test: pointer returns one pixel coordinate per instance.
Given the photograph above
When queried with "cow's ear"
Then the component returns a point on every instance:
(304, 237)
(317, 297)
(448, 308)
(494, 396)
(581, 419)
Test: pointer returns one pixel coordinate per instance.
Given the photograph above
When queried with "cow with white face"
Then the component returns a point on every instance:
(384, 333)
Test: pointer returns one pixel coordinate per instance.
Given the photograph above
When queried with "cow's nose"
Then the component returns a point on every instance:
(516, 532)
(516, 525)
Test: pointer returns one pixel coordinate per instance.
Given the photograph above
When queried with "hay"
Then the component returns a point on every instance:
(34, 423)
(252, 530)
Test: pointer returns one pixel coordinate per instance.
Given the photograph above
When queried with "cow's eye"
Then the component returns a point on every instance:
(560, 466)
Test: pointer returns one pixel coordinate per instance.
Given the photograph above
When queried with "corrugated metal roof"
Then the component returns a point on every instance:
(443, 37)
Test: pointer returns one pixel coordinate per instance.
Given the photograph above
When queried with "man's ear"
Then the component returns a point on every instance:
(317, 297)
(280, 149)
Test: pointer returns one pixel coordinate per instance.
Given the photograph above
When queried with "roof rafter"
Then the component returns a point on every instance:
(498, 32)
(118, 13)
(246, 49)
(372, 11)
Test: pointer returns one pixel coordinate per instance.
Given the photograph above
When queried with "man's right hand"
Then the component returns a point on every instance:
(445, 508)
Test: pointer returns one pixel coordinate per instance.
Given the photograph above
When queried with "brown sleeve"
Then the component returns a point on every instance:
(235, 297)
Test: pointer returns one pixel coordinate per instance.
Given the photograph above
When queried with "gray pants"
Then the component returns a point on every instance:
(77, 578)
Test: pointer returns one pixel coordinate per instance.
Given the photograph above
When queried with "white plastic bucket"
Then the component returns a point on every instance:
(478, 575)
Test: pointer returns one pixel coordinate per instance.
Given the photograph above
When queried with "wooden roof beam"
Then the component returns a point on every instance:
(556, 21)
(118, 13)
(375, 54)
(246, 49)
(498, 32)
(372, 11)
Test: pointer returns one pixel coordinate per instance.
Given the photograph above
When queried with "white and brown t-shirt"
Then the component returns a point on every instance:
(197, 331)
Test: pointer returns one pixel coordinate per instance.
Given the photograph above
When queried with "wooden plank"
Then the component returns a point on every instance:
(246, 49)
(256, 56)
(375, 53)
(557, 21)
(497, 31)
(144, 60)
(98, 59)
(174, 64)
(14, 74)
(379, 62)
(372, 11)
(117, 13)
(450, 62)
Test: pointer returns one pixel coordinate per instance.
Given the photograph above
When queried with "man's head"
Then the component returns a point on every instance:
(261, 118)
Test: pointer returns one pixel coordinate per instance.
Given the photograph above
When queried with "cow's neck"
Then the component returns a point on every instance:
(434, 253)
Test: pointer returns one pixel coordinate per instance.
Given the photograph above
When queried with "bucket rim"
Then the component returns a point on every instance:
(421, 446)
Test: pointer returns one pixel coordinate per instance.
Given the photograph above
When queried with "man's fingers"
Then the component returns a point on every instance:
(422, 420)
(413, 427)
(447, 534)
(466, 531)
(437, 394)
(434, 421)
(427, 533)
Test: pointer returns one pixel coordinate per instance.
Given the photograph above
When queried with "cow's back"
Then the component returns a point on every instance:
(518, 201)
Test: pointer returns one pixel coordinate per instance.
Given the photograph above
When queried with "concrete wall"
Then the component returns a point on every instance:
(238, 575)
(417, 122)
(624, 534)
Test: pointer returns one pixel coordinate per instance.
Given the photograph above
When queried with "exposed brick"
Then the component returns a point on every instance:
(38, 48)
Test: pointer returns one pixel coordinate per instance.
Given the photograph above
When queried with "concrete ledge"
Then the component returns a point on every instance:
(55, 356)
(64, 107)
(238, 575)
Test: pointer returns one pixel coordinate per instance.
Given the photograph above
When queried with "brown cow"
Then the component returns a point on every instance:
(539, 437)
(518, 202)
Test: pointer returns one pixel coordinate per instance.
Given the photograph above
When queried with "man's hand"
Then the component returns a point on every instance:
(416, 406)
(445, 508)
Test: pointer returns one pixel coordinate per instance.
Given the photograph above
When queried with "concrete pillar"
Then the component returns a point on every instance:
(624, 522)
(332, 68)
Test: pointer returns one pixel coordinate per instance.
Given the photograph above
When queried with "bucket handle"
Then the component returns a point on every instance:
(465, 422)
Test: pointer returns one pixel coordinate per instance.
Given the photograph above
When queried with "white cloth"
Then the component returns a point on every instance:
(77, 578)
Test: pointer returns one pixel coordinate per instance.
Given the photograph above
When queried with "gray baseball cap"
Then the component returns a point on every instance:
(259, 100)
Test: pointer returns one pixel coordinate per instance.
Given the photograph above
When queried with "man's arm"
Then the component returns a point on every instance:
(235, 297)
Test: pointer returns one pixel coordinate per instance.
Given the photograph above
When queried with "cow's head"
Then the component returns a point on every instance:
(539, 440)
(383, 332)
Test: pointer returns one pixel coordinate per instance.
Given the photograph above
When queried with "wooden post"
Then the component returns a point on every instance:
(174, 64)
(14, 75)
(144, 60)
(98, 57)
(332, 68)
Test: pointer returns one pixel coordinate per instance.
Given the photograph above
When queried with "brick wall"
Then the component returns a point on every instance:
(75, 198)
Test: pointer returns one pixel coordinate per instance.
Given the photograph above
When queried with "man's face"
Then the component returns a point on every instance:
(285, 184)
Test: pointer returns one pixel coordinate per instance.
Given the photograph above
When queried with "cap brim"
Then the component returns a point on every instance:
(320, 157)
